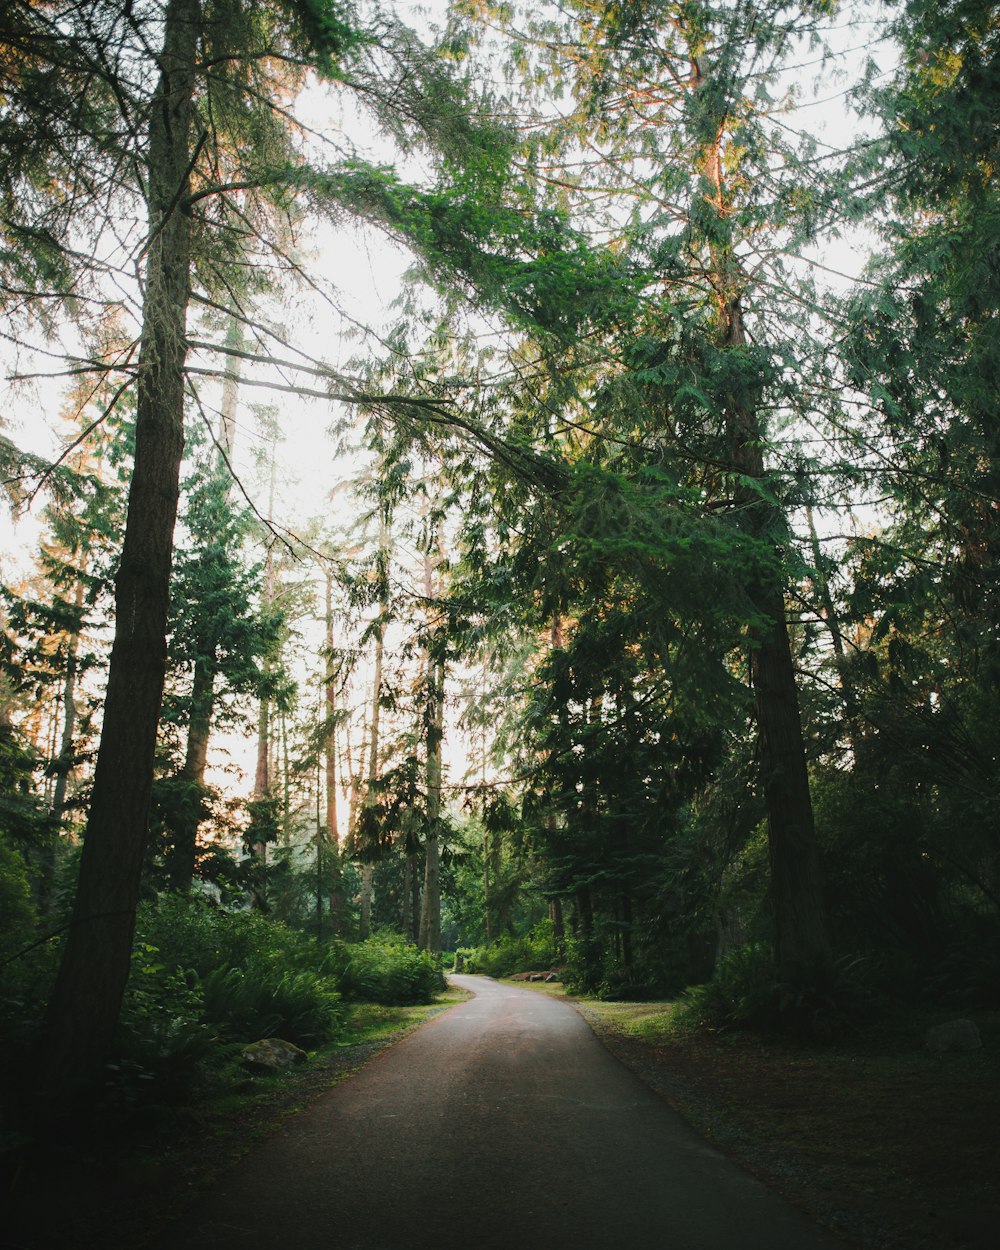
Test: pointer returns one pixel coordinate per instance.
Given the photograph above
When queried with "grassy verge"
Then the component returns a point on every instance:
(98, 1185)
(887, 1143)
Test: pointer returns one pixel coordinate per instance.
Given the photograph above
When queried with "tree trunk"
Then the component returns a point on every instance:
(64, 762)
(430, 912)
(330, 742)
(801, 941)
(86, 1000)
(558, 927)
(367, 868)
(487, 886)
(226, 436)
(183, 851)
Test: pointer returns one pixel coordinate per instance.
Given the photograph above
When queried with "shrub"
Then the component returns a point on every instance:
(533, 951)
(740, 994)
(204, 979)
(27, 965)
(745, 993)
(301, 1007)
(197, 936)
(387, 969)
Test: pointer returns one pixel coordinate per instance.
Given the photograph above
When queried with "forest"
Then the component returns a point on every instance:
(514, 483)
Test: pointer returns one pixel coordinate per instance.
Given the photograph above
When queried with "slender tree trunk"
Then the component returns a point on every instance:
(86, 1000)
(330, 742)
(184, 851)
(226, 437)
(558, 927)
(183, 854)
(406, 902)
(64, 760)
(430, 913)
(487, 886)
(262, 768)
(801, 940)
(367, 867)
(64, 763)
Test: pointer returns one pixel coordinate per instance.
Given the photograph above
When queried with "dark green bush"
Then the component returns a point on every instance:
(741, 993)
(744, 993)
(387, 969)
(301, 1007)
(196, 936)
(204, 979)
(535, 951)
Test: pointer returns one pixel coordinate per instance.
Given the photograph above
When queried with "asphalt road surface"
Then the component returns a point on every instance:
(502, 1124)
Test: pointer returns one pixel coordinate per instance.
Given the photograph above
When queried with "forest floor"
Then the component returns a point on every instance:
(888, 1144)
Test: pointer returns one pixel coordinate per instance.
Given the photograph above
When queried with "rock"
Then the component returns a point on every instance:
(953, 1035)
(272, 1055)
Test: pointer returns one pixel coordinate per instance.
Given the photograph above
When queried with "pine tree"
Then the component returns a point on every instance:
(207, 120)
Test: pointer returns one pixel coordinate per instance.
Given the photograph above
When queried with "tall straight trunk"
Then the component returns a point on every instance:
(330, 737)
(487, 886)
(406, 902)
(262, 767)
(226, 437)
(558, 926)
(367, 867)
(430, 912)
(64, 761)
(286, 783)
(801, 939)
(183, 852)
(86, 1000)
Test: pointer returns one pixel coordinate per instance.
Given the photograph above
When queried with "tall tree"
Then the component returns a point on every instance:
(207, 123)
(222, 634)
(84, 1005)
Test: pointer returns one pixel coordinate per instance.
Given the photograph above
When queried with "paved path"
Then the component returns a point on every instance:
(503, 1124)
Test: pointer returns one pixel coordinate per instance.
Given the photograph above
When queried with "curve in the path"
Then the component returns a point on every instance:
(503, 1124)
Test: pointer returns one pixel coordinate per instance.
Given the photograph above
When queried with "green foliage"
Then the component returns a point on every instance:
(163, 1032)
(745, 993)
(386, 969)
(741, 993)
(533, 952)
(301, 1007)
(193, 935)
(26, 963)
(203, 976)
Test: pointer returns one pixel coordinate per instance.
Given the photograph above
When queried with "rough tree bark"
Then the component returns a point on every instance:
(86, 1000)
(801, 939)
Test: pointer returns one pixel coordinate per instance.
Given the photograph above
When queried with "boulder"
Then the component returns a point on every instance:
(271, 1055)
(953, 1035)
